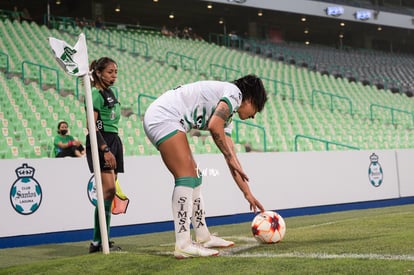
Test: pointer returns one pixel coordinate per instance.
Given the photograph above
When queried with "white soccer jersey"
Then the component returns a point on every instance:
(191, 105)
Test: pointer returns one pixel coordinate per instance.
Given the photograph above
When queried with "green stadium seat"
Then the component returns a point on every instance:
(32, 112)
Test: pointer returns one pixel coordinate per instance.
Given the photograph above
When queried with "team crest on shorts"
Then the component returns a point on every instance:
(375, 173)
(25, 193)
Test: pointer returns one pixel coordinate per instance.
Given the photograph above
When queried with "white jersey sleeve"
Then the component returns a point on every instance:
(233, 98)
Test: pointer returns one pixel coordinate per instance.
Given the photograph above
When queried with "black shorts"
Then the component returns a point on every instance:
(115, 143)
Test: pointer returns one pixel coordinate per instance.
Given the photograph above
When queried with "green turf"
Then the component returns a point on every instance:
(372, 241)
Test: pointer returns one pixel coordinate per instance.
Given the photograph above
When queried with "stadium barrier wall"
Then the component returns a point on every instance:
(54, 196)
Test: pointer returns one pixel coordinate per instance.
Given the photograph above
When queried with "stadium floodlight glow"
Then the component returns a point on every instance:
(362, 15)
(334, 11)
(118, 8)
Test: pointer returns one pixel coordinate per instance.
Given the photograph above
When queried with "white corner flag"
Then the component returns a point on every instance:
(74, 60)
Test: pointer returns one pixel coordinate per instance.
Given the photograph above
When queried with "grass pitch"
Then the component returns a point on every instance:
(372, 241)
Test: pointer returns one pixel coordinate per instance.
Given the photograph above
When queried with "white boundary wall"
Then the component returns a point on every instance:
(279, 181)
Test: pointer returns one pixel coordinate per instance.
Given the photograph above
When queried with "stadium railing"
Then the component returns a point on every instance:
(236, 126)
(326, 142)
(7, 62)
(224, 72)
(392, 113)
(39, 75)
(185, 62)
(140, 96)
(331, 97)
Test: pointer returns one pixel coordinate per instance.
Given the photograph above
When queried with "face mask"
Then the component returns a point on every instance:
(63, 132)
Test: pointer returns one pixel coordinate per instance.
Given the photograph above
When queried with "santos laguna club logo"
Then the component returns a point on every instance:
(375, 173)
(91, 189)
(25, 193)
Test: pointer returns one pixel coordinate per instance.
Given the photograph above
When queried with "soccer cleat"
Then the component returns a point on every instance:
(96, 248)
(194, 250)
(113, 247)
(217, 242)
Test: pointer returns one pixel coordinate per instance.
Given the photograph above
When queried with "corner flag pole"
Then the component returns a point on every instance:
(95, 161)
(74, 60)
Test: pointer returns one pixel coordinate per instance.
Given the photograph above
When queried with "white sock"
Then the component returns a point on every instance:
(198, 219)
(182, 207)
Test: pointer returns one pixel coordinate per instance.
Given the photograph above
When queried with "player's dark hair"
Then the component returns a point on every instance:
(97, 66)
(252, 89)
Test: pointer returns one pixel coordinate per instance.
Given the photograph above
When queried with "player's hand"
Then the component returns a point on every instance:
(110, 160)
(254, 204)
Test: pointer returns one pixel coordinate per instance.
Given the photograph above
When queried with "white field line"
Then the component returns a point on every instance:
(346, 220)
(230, 252)
(316, 225)
(324, 256)
(237, 251)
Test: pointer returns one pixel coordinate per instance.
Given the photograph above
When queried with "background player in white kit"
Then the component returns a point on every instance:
(204, 105)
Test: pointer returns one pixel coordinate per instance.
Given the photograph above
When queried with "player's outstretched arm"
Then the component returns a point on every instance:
(216, 128)
(226, 146)
(243, 184)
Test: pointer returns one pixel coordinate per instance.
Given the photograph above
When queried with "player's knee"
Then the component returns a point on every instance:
(110, 193)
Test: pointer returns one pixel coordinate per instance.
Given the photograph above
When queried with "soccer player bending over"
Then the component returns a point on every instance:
(204, 105)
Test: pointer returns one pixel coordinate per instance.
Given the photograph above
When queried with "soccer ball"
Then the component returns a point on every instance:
(268, 227)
